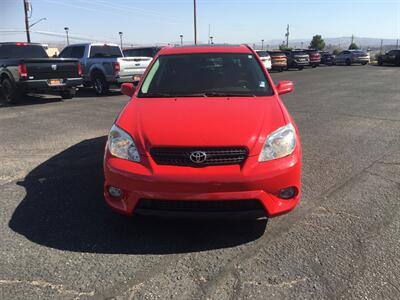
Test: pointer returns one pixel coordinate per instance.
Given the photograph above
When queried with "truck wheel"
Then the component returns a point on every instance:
(10, 93)
(100, 84)
(348, 62)
(313, 66)
(281, 69)
(363, 63)
(300, 68)
(68, 94)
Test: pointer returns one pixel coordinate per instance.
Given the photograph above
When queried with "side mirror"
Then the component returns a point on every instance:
(285, 87)
(128, 89)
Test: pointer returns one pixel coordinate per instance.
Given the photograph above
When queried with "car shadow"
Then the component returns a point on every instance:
(64, 209)
(31, 99)
(88, 92)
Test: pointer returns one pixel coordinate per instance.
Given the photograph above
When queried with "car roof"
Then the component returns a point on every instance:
(206, 49)
(142, 47)
(93, 44)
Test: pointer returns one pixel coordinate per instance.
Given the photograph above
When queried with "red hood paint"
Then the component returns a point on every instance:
(208, 121)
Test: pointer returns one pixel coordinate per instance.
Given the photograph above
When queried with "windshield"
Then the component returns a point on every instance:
(22, 51)
(205, 74)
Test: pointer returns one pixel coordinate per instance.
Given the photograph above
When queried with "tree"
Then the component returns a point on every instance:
(283, 47)
(336, 51)
(353, 46)
(317, 42)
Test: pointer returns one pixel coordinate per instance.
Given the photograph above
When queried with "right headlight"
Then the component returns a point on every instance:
(121, 145)
(279, 144)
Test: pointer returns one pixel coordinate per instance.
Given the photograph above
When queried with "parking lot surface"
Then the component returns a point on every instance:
(59, 240)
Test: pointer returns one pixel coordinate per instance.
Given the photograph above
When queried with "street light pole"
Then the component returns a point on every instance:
(195, 22)
(120, 37)
(26, 8)
(262, 44)
(211, 40)
(38, 21)
(181, 36)
(66, 31)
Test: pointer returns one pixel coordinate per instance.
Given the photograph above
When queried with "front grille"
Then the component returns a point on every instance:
(200, 205)
(214, 156)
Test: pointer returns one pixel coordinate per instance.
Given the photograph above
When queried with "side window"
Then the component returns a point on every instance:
(66, 53)
(77, 51)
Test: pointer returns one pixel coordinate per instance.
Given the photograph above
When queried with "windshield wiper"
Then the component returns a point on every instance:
(227, 94)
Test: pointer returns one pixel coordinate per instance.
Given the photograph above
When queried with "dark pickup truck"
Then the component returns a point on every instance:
(26, 68)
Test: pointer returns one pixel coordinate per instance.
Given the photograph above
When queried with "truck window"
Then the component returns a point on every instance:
(73, 52)
(105, 51)
(22, 51)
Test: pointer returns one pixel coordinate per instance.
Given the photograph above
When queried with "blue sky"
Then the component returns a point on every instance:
(232, 21)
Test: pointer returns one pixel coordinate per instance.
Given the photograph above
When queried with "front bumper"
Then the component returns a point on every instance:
(253, 180)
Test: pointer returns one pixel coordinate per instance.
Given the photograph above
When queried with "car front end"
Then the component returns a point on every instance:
(205, 155)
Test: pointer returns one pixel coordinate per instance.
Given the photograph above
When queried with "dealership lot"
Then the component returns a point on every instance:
(58, 238)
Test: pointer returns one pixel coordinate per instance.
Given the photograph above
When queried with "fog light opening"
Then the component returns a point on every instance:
(288, 193)
(115, 192)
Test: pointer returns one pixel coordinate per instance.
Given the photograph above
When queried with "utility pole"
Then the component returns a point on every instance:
(120, 38)
(352, 39)
(262, 44)
(195, 22)
(181, 36)
(381, 47)
(287, 36)
(209, 33)
(26, 9)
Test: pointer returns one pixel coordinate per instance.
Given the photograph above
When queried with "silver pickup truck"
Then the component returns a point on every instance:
(103, 65)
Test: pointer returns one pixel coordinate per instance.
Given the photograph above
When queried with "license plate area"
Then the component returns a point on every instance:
(53, 82)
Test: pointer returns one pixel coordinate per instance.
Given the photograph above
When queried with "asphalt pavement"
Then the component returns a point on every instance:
(58, 239)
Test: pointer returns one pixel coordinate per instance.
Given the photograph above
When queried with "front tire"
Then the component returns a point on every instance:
(300, 68)
(100, 84)
(348, 62)
(10, 92)
(364, 63)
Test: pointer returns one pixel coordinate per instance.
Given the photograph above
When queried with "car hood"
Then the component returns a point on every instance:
(192, 122)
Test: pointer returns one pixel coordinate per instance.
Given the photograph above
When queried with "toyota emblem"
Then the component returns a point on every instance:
(198, 157)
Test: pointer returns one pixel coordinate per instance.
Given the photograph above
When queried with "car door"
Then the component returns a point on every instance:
(339, 57)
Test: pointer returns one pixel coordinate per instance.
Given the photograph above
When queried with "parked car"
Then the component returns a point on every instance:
(278, 60)
(315, 57)
(392, 57)
(103, 65)
(327, 58)
(25, 68)
(265, 58)
(297, 59)
(350, 57)
(205, 132)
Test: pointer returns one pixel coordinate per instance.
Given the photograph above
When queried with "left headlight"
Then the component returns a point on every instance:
(121, 144)
(278, 144)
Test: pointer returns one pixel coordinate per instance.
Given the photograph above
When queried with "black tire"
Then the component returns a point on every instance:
(68, 94)
(348, 62)
(364, 63)
(100, 84)
(314, 66)
(280, 69)
(11, 95)
(300, 68)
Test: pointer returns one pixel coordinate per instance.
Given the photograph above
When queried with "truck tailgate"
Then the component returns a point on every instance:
(51, 68)
(133, 65)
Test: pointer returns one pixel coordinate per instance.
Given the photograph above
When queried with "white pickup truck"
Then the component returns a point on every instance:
(103, 65)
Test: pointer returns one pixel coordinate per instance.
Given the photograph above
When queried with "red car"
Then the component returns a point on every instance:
(207, 134)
